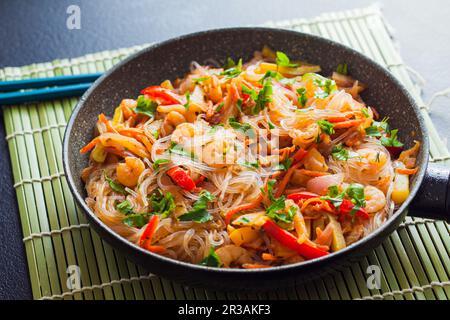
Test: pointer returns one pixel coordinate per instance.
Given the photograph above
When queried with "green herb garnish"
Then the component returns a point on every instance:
(234, 70)
(326, 126)
(211, 260)
(115, 186)
(334, 196)
(251, 165)
(391, 141)
(284, 165)
(220, 106)
(159, 162)
(199, 213)
(340, 153)
(342, 68)
(284, 61)
(200, 80)
(302, 98)
(188, 100)
(125, 207)
(136, 220)
(145, 106)
(243, 127)
(326, 85)
(264, 96)
(162, 204)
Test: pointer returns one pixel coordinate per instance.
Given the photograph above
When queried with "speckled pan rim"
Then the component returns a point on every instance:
(393, 220)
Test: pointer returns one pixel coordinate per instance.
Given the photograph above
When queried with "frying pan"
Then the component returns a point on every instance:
(171, 59)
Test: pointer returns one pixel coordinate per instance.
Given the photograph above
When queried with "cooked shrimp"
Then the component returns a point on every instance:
(233, 255)
(302, 137)
(375, 199)
(128, 172)
(221, 150)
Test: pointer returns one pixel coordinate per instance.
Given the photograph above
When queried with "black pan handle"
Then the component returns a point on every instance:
(433, 198)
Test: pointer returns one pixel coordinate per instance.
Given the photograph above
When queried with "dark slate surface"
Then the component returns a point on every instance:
(35, 31)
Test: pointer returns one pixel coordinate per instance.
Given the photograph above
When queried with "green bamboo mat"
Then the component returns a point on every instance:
(414, 260)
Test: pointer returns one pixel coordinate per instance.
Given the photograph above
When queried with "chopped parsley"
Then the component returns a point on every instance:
(188, 100)
(243, 127)
(284, 61)
(391, 141)
(284, 165)
(211, 260)
(355, 192)
(251, 165)
(264, 96)
(145, 106)
(277, 209)
(239, 104)
(270, 74)
(162, 204)
(251, 92)
(159, 162)
(340, 153)
(115, 186)
(199, 213)
(377, 128)
(125, 207)
(137, 220)
(334, 196)
(133, 219)
(232, 69)
(220, 106)
(177, 149)
(326, 126)
(302, 98)
(365, 112)
(326, 85)
(342, 68)
(200, 80)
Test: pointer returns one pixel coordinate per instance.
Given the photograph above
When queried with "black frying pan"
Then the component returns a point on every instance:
(171, 59)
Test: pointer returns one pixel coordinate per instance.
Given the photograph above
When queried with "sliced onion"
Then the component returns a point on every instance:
(320, 185)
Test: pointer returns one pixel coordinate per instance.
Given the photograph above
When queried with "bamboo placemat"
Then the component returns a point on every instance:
(414, 260)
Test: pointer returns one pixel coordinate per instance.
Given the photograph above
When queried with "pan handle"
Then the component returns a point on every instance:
(433, 198)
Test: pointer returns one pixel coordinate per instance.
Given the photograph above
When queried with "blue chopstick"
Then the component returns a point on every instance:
(43, 94)
(48, 82)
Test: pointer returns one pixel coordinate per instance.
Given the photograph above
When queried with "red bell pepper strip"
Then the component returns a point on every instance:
(298, 196)
(165, 95)
(345, 208)
(181, 178)
(289, 241)
(300, 155)
(199, 180)
(145, 240)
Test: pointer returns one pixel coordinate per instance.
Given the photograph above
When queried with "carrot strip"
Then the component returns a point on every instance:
(334, 119)
(117, 152)
(310, 201)
(311, 173)
(108, 125)
(268, 257)
(156, 249)
(299, 155)
(131, 132)
(146, 142)
(286, 179)
(347, 124)
(254, 266)
(324, 237)
(90, 145)
(407, 171)
(243, 207)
